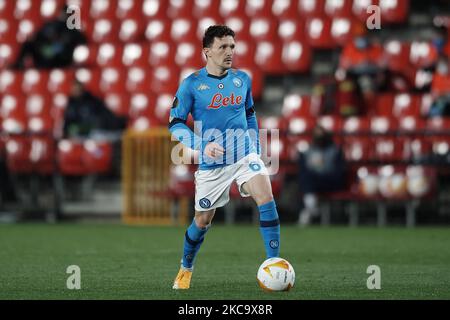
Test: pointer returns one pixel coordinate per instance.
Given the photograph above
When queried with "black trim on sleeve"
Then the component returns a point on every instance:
(175, 121)
(250, 111)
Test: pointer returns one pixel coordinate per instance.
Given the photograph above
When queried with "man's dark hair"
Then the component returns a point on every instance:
(217, 31)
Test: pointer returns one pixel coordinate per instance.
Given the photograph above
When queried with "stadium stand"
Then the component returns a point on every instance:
(138, 51)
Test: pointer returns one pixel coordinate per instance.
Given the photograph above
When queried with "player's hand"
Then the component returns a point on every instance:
(214, 150)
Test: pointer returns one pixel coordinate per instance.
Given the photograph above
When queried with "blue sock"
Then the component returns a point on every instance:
(270, 228)
(192, 241)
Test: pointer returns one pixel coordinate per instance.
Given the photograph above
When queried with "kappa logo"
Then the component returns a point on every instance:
(202, 87)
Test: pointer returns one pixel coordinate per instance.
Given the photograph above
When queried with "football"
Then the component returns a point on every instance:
(276, 274)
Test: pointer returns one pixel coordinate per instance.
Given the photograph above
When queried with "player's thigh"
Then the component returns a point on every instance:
(259, 188)
(204, 218)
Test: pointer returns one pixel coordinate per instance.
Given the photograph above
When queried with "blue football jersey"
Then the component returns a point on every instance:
(218, 106)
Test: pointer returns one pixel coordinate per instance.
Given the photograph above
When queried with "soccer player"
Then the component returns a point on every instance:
(220, 100)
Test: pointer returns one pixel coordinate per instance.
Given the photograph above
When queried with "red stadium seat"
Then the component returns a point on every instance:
(70, 158)
(26, 29)
(85, 55)
(268, 57)
(360, 8)
(136, 55)
(206, 8)
(244, 53)
(90, 79)
(241, 27)
(12, 109)
(261, 8)
(162, 53)
(129, 9)
(11, 82)
(184, 29)
(132, 30)
(285, 10)
(383, 125)
(35, 81)
(264, 29)
(180, 9)
(344, 30)
(103, 30)
(332, 124)
(394, 12)
(396, 54)
(142, 123)
(154, 9)
(38, 109)
(109, 55)
(142, 104)
(297, 144)
(342, 9)
(101, 9)
(296, 105)
(416, 150)
(308, 8)
(387, 149)
(118, 102)
(300, 125)
(42, 154)
(277, 148)
(138, 80)
(411, 125)
(318, 32)
(272, 123)
(231, 8)
(8, 54)
(50, 9)
(357, 149)
(438, 125)
(97, 156)
(7, 8)
(158, 30)
(113, 79)
(60, 81)
(8, 30)
(163, 105)
(163, 78)
(356, 125)
(296, 56)
(440, 145)
(18, 150)
(28, 10)
(291, 29)
(256, 76)
(188, 55)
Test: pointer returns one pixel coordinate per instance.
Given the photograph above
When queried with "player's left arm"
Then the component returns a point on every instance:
(252, 122)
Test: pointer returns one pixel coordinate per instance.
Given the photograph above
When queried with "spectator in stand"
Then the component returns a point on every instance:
(441, 96)
(52, 46)
(321, 169)
(87, 116)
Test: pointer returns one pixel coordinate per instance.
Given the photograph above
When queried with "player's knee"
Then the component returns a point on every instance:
(203, 220)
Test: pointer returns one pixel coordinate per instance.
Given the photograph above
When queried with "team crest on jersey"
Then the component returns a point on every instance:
(202, 87)
(237, 82)
(205, 203)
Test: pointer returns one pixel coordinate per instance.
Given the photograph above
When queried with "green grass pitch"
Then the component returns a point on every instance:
(126, 262)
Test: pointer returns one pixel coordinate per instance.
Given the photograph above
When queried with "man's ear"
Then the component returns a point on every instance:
(206, 51)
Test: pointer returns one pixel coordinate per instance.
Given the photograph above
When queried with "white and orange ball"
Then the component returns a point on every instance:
(276, 274)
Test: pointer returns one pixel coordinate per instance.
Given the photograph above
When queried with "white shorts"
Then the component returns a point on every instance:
(212, 187)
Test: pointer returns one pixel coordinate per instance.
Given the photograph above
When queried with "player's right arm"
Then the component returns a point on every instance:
(179, 112)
